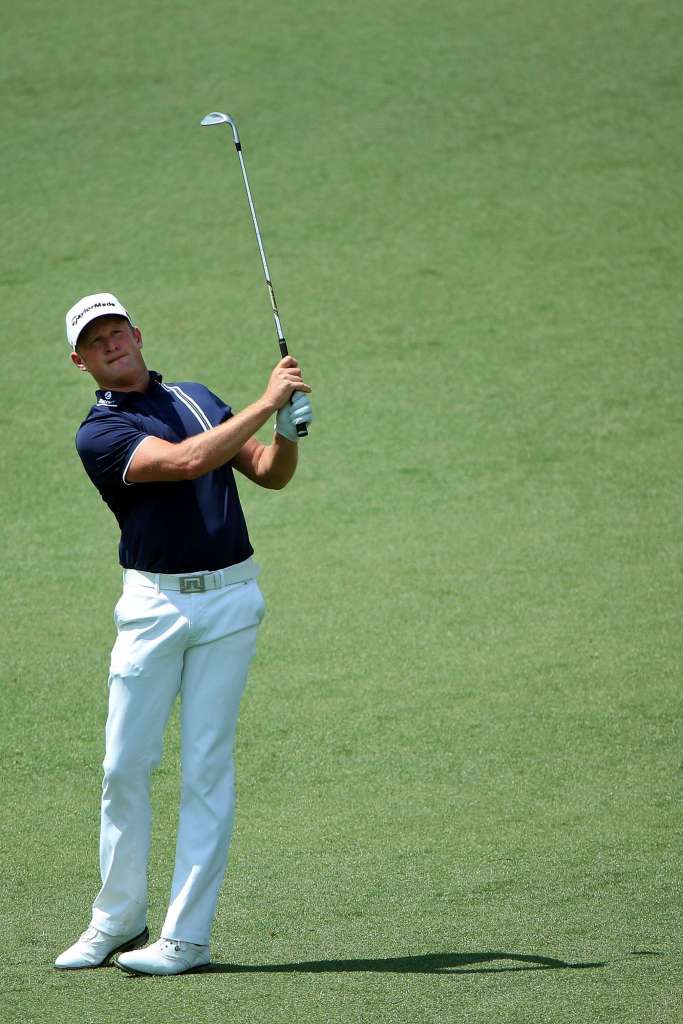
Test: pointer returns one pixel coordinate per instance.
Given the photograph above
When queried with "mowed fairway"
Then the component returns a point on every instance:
(459, 757)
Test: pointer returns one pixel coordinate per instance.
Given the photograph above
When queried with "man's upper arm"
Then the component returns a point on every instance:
(154, 461)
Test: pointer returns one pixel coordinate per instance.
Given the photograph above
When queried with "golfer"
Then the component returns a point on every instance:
(162, 457)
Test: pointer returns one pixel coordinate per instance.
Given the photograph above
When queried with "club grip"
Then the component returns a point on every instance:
(301, 430)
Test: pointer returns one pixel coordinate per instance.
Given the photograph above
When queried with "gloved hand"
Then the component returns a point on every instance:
(299, 410)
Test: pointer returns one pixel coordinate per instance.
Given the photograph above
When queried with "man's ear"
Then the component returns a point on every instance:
(77, 361)
(137, 334)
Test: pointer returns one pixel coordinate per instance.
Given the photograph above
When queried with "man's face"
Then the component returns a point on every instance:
(109, 349)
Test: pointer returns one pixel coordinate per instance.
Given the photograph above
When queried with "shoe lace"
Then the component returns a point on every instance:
(90, 933)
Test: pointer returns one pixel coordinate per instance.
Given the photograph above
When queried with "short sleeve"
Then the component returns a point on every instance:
(224, 411)
(106, 447)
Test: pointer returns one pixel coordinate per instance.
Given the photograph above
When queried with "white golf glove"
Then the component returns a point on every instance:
(299, 410)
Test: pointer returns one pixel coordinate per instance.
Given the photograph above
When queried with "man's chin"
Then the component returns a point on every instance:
(121, 376)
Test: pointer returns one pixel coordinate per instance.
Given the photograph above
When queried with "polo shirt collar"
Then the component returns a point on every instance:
(116, 399)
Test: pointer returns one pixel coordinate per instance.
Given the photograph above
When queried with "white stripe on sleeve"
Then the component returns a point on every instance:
(130, 459)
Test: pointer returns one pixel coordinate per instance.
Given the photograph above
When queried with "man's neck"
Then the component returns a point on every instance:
(140, 383)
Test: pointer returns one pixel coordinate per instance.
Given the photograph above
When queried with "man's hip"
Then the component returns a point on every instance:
(157, 624)
(194, 582)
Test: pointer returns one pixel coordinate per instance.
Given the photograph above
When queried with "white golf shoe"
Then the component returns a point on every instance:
(96, 948)
(167, 956)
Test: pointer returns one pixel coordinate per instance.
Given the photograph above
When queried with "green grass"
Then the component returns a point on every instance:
(459, 755)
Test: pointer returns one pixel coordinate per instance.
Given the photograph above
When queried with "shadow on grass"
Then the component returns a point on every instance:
(427, 963)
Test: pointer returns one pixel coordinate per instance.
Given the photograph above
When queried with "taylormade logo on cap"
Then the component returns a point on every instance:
(89, 308)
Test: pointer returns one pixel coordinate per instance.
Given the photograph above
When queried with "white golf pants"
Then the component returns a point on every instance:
(198, 646)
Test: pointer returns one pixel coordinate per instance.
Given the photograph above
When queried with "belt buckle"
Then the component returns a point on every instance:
(192, 584)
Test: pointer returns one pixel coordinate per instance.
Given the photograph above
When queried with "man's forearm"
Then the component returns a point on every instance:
(277, 462)
(203, 452)
(271, 465)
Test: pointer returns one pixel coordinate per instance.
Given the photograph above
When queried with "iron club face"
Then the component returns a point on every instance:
(217, 118)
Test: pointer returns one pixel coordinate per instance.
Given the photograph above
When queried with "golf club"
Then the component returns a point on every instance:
(218, 118)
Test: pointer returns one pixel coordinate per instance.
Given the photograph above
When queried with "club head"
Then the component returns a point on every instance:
(217, 118)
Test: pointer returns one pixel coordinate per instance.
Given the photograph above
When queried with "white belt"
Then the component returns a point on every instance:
(194, 582)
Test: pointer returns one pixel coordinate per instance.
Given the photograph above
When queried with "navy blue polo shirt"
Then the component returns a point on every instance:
(171, 526)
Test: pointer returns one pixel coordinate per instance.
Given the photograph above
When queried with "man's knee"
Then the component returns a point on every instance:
(123, 768)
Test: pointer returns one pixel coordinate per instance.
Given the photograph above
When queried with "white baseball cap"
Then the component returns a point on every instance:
(89, 308)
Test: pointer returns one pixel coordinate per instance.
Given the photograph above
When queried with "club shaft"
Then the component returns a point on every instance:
(219, 118)
(266, 272)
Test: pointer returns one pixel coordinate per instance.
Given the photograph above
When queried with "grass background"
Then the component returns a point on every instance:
(459, 759)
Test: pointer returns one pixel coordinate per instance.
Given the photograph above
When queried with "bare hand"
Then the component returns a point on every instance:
(285, 379)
